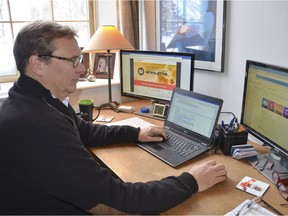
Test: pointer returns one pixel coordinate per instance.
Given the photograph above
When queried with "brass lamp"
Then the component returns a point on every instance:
(107, 38)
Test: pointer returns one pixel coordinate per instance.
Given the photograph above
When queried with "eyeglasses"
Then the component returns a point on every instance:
(282, 184)
(255, 201)
(74, 60)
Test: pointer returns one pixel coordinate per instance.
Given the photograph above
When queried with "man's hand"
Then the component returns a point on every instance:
(152, 134)
(208, 174)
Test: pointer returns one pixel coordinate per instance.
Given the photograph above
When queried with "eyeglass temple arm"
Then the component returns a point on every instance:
(271, 207)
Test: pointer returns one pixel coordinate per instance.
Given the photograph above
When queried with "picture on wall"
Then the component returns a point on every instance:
(193, 26)
(100, 69)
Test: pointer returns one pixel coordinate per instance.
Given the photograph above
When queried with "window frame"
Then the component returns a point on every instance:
(91, 25)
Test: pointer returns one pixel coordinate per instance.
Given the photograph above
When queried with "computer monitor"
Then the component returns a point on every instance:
(153, 75)
(265, 105)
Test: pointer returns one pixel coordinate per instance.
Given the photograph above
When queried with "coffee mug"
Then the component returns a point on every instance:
(86, 108)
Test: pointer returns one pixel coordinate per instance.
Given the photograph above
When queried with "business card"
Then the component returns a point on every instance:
(103, 118)
(252, 186)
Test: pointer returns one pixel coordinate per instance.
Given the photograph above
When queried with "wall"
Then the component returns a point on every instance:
(256, 30)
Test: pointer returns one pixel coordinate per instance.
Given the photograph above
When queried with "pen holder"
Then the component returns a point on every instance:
(227, 138)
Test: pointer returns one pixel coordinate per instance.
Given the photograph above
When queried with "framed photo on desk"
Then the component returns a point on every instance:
(100, 69)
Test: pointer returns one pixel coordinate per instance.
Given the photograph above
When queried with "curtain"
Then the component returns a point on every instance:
(128, 20)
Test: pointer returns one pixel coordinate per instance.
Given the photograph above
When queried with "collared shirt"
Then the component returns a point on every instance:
(65, 101)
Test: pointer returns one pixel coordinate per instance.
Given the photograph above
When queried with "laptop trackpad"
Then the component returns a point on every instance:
(156, 147)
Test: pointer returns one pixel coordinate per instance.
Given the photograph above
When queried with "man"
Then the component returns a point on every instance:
(45, 166)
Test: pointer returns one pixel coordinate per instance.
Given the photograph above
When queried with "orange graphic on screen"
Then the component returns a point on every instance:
(155, 75)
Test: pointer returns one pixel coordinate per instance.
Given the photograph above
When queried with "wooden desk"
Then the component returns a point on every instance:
(133, 164)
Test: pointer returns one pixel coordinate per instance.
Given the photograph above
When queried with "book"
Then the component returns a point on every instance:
(252, 186)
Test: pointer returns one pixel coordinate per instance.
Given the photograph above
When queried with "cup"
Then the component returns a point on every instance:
(86, 109)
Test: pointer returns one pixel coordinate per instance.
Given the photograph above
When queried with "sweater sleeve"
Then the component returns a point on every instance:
(157, 196)
(93, 134)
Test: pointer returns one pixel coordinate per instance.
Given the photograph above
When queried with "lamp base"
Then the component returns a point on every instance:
(110, 105)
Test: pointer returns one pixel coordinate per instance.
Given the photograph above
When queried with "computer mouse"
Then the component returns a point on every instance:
(145, 110)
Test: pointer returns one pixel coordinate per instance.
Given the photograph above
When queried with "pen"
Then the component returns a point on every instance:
(222, 123)
(231, 122)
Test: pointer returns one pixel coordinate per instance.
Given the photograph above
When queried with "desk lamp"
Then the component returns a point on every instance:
(107, 38)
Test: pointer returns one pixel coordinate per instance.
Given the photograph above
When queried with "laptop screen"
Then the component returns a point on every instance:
(194, 113)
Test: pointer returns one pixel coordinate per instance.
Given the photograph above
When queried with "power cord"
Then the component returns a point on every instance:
(216, 141)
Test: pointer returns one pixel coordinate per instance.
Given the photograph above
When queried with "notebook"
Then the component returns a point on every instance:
(191, 117)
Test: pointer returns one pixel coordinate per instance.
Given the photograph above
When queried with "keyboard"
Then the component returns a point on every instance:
(181, 145)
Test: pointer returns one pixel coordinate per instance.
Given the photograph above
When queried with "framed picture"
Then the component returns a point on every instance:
(193, 26)
(100, 69)
(85, 62)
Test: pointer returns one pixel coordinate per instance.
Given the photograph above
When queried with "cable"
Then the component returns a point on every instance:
(236, 120)
(215, 146)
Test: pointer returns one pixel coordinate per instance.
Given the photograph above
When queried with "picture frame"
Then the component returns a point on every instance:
(100, 69)
(193, 27)
(85, 62)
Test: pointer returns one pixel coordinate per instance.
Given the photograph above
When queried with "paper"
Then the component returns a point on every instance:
(134, 122)
(243, 151)
(252, 186)
(255, 209)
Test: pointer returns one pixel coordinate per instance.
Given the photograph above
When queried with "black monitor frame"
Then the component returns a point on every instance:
(283, 152)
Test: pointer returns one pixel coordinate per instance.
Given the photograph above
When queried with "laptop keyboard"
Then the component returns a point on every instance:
(181, 145)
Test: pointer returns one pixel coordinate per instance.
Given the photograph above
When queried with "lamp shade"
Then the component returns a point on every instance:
(107, 37)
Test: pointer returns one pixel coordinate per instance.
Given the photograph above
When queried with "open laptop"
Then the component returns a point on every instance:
(192, 117)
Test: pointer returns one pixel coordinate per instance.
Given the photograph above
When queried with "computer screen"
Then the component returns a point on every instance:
(153, 75)
(265, 104)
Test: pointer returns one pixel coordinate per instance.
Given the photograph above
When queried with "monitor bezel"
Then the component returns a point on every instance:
(157, 100)
(253, 131)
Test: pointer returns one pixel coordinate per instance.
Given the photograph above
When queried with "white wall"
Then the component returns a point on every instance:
(255, 30)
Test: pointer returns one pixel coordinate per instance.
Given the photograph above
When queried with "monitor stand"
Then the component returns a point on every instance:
(280, 163)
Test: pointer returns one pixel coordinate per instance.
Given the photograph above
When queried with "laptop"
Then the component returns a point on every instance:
(192, 118)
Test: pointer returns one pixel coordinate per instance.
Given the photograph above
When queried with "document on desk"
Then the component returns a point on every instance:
(255, 209)
(134, 122)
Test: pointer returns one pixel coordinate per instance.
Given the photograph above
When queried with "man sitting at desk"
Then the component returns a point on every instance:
(45, 166)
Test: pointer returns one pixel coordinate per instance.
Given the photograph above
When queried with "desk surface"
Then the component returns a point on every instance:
(133, 164)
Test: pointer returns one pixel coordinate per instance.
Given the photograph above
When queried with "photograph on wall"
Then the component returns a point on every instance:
(100, 69)
(193, 26)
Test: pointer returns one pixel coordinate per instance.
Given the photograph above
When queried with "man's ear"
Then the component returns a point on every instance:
(36, 65)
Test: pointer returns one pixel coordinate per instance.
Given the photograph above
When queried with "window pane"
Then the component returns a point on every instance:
(30, 10)
(82, 29)
(70, 10)
(6, 54)
(17, 27)
(4, 16)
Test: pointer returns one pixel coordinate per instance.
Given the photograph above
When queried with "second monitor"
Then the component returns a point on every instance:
(153, 75)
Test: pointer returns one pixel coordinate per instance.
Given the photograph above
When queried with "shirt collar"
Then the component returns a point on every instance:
(65, 101)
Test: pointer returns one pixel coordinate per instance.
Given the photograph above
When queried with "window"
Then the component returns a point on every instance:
(14, 14)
